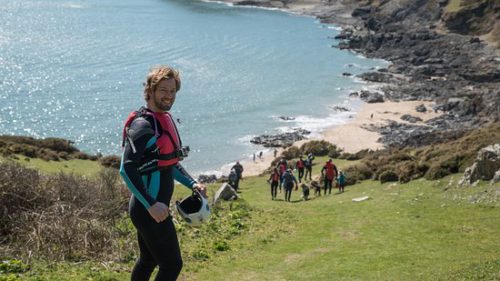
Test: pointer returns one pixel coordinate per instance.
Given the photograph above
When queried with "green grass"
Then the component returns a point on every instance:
(412, 231)
(421, 230)
(75, 166)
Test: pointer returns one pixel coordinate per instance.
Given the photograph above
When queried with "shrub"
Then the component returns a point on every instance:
(48, 155)
(62, 217)
(399, 157)
(436, 172)
(334, 153)
(81, 155)
(357, 173)
(445, 167)
(57, 144)
(388, 176)
(356, 156)
(63, 155)
(111, 161)
(318, 148)
(290, 153)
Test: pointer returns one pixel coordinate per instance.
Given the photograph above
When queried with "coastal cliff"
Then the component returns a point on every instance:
(441, 51)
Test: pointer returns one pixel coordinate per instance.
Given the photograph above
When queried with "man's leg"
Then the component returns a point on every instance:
(145, 264)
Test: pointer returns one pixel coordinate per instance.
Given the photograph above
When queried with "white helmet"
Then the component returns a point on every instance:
(194, 209)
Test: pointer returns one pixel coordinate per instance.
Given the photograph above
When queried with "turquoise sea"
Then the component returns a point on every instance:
(74, 69)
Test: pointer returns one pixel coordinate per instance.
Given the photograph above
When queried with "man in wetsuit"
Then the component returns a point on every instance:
(151, 153)
(289, 181)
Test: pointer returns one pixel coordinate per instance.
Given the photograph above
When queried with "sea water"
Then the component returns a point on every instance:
(74, 69)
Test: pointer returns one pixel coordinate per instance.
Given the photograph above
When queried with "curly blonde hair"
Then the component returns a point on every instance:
(158, 73)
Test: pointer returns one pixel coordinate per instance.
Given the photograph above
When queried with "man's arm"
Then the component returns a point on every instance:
(182, 176)
(142, 136)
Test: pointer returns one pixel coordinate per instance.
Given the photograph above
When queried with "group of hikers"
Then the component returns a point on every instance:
(282, 177)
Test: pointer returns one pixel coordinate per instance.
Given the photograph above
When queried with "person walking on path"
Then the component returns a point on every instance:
(274, 180)
(275, 152)
(152, 151)
(310, 157)
(289, 181)
(238, 168)
(308, 168)
(232, 178)
(329, 172)
(300, 168)
(282, 167)
(341, 181)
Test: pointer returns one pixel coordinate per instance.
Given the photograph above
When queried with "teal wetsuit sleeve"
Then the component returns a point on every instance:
(131, 162)
(182, 176)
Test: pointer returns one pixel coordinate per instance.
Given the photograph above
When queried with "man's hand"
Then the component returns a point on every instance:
(201, 188)
(159, 212)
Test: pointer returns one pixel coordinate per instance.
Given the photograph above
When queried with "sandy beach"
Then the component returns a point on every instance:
(353, 135)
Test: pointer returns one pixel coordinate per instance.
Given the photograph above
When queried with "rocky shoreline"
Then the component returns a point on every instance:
(459, 72)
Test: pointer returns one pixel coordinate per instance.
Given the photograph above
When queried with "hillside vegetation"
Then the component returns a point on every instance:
(474, 17)
(428, 230)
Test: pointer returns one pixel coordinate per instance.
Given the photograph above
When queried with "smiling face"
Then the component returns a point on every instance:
(163, 97)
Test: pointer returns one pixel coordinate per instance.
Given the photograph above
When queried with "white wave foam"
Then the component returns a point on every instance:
(334, 27)
(246, 138)
(243, 6)
(317, 125)
(72, 6)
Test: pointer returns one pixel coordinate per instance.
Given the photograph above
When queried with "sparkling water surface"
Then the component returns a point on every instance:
(74, 69)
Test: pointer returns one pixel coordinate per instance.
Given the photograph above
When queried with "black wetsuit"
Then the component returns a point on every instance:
(238, 168)
(158, 242)
(288, 181)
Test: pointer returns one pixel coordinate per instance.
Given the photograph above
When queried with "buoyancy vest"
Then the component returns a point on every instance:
(282, 168)
(330, 171)
(167, 151)
(275, 176)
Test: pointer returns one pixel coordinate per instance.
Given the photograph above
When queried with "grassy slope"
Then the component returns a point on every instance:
(76, 166)
(413, 231)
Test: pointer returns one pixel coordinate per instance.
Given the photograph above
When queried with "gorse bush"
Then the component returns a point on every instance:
(111, 161)
(62, 217)
(49, 149)
(320, 148)
(432, 162)
(317, 148)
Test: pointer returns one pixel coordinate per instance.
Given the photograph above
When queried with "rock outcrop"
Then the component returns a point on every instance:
(280, 140)
(485, 167)
(225, 192)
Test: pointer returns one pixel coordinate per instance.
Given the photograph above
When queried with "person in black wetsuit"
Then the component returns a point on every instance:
(152, 150)
(289, 181)
(238, 168)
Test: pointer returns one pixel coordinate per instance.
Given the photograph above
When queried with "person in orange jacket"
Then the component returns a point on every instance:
(329, 172)
(300, 168)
